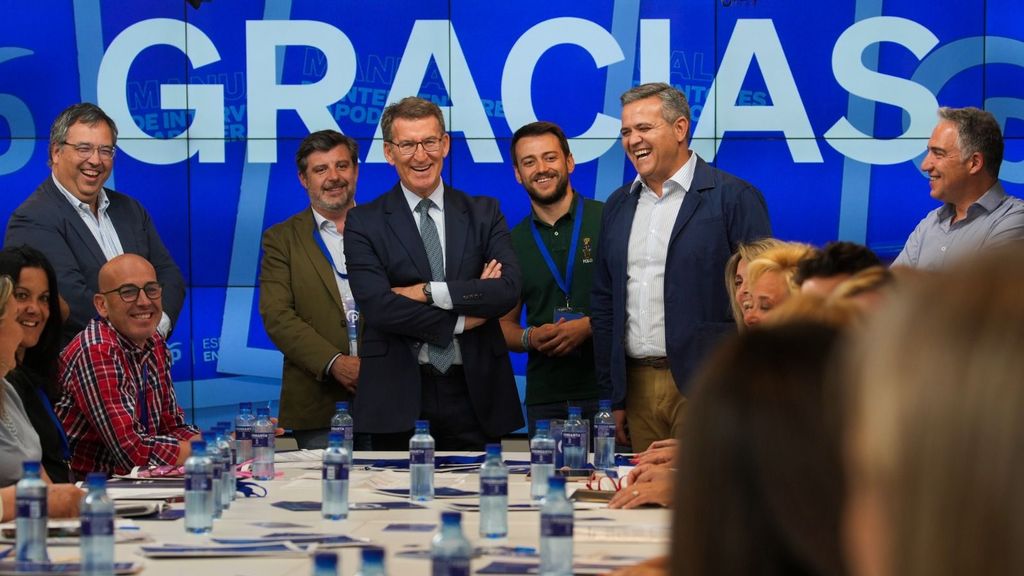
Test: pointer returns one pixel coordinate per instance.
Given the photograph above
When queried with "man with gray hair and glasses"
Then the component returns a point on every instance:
(962, 164)
(658, 304)
(79, 225)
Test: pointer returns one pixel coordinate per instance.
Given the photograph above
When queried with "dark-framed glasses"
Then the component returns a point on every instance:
(130, 292)
(85, 151)
(408, 147)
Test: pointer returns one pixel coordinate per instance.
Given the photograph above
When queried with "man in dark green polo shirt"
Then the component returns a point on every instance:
(555, 245)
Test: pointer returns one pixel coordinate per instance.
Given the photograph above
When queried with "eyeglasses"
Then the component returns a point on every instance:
(130, 292)
(85, 151)
(408, 148)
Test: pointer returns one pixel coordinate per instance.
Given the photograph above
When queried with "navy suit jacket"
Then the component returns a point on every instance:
(383, 248)
(48, 223)
(718, 213)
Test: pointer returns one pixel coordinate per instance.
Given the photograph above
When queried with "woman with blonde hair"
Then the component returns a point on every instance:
(935, 425)
(736, 274)
(770, 277)
(18, 440)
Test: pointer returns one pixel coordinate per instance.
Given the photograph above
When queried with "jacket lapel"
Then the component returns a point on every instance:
(702, 180)
(74, 223)
(403, 226)
(317, 259)
(455, 227)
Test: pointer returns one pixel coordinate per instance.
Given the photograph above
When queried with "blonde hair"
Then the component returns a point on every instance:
(936, 432)
(782, 259)
(745, 251)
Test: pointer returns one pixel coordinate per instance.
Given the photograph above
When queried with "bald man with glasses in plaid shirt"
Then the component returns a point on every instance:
(119, 408)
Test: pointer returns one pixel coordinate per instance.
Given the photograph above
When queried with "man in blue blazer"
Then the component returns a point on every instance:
(432, 270)
(659, 304)
(79, 225)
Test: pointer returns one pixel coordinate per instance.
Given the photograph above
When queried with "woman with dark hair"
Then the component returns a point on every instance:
(35, 377)
(759, 489)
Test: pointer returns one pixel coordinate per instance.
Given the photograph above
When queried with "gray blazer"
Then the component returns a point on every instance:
(48, 223)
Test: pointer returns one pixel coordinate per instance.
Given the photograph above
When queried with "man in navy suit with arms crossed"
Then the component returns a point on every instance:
(432, 347)
(659, 303)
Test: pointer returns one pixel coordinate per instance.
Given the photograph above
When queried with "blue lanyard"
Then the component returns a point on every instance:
(65, 452)
(143, 406)
(327, 254)
(564, 284)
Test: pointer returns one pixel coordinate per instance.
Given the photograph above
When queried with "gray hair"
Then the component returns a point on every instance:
(409, 108)
(673, 102)
(977, 131)
(87, 113)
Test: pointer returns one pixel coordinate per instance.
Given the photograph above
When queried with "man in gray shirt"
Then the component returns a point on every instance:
(964, 154)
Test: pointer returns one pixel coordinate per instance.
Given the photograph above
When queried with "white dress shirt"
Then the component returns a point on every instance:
(335, 243)
(438, 290)
(645, 261)
(102, 228)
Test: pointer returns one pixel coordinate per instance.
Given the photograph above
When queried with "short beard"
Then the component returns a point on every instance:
(560, 192)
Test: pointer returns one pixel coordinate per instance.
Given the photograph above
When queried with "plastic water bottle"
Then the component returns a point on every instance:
(556, 523)
(573, 450)
(604, 436)
(263, 446)
(243, 432)
(30, 502)
(228, 453)
(493, 494)
(542, 459)
(450, 552)
(97, 528)
(373, 562)
(325, 564)
(198, 490)
(342, 422)
(334, 504)
(421, 463)
(216, 471)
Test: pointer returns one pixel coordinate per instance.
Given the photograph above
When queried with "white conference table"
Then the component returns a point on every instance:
(599, 530)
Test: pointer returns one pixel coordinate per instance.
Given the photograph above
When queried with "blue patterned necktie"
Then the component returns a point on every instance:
(440, 358)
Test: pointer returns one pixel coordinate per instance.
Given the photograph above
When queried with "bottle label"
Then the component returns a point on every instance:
(542, 456)
(31, 506)
(604, 431)
(450, 567)
(421, 456)
(335, 471)
(218, 472)
(97, 524)
(572, 439)
(262, 440)
(243, 433)
(345, 431)
(493, 486)
(556, 525)
(197, 482)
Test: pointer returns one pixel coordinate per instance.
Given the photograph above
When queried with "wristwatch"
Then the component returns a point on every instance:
(427, 293)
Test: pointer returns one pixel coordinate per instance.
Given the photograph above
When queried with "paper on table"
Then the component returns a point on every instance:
(620, 533)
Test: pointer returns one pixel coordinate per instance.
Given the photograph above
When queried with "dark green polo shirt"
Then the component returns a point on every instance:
(569, 377)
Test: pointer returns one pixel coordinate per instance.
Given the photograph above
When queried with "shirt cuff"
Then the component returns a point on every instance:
(460, 325)
(442, 297)
(164, 327)
(327, 369)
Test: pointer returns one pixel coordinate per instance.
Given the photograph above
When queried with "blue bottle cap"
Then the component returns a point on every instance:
(543, 425)
(450, 518)
(244, 405)
(423, 425)
(341, 406)
(263, 411)
(556, 482)
(373, 555)
(30, 467)
(575, 412)
(326, 561)
(494, 450)
(96, 480)
(209, 436)
(334, 439)
(199, 446)
(604, 405)
(225, 425)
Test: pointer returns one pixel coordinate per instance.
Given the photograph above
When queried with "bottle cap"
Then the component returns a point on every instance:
(96, 480)
(373, 554)
(245, 405)
(265, 411)
(334, 439)
(494, 450)
(423, 424)
(226, 426)
(326, 561)
(340, 406)
(199, 447)
(451, 518)
(543, 425)
(575, 412)
(604, 405)
(557, 482)
(30, 467)
(209, 436)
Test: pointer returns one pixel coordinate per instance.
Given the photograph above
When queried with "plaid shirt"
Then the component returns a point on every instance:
(114, 424)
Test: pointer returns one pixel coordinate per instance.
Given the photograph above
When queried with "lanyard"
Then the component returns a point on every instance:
(142, 400)
(65, 452)
(327, 254)
(564, 284)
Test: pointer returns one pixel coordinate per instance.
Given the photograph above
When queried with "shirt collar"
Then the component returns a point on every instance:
(683, 177)
(129, 345)
(988, 202)
(323, 223)
(102, 203)
(437, 196)
(570, 214)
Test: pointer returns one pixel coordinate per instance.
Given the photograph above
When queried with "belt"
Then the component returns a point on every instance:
(431, 370)
(656, 362)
